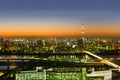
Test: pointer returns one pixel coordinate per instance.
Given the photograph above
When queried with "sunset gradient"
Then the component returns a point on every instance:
(58, 29)
(59, 18)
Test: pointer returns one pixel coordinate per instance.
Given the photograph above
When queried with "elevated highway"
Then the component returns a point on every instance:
(54, 60)
(104, 61)
(59, 59)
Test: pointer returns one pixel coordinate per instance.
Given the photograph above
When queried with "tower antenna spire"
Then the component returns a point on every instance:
(83, 29)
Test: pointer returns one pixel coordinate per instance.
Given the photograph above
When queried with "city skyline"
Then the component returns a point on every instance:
(59, 18)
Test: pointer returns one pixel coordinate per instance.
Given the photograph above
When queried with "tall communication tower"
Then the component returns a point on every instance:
(83, 29)
(81, 41)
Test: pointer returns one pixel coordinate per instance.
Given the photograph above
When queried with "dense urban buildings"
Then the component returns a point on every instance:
(59, 40)
(52, 56)
(61, 58)
(57, 45)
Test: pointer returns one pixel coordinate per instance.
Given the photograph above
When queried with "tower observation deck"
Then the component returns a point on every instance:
(83, 30)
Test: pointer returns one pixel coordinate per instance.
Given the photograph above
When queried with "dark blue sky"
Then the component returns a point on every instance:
(81, 10)
(60, 5)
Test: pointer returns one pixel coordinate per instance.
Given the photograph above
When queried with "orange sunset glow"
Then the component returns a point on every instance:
(58, 29)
